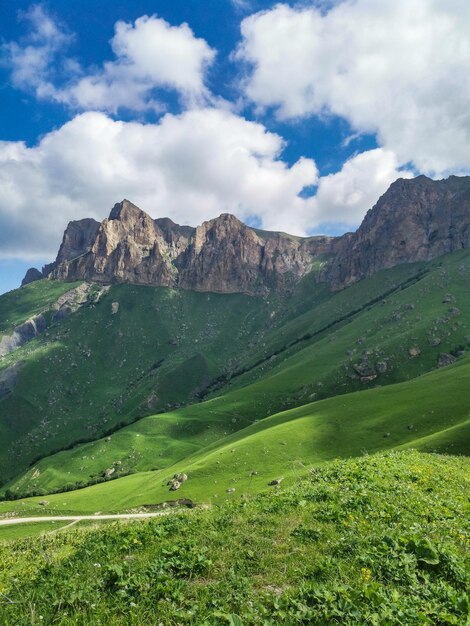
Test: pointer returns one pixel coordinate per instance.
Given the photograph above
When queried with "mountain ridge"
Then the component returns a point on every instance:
(415, 220)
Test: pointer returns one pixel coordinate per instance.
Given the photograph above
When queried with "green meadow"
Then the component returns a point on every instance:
(378, 540)
(294, 362)
(325, 437)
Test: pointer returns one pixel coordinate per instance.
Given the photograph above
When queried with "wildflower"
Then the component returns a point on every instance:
(96, 564)
(365, 574)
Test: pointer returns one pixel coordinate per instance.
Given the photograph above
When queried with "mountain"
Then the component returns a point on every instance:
(231, 354)
(415, 220)
(185, 369)
(222, 255)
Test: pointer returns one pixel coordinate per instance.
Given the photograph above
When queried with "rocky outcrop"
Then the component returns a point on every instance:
(222, 255)
(66, 304)
(8, 378)
(78, 239)
(415, 220)
(22, 334)
(226, 255)
(31, 276)
(128, 247)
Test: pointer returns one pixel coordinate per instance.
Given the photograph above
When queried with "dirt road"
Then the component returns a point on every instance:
(78, 518)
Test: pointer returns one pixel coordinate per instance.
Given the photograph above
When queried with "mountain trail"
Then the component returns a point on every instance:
(78, 518)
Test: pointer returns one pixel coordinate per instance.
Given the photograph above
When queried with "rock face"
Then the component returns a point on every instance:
(66, 304)
(222, 255)
(226, 255)
(415, 220)
(78, 239)
(22, 334)
(31, 275)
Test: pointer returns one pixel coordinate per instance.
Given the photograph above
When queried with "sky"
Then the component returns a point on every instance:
(294, 116)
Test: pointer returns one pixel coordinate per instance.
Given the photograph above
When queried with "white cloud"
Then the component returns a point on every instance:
(30, 61)
(149, 54)
(344, 197)
(241, 5)
(397, 68)
(189, 167)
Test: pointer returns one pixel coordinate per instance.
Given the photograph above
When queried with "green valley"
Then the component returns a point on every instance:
(301, 446)
(390, 328)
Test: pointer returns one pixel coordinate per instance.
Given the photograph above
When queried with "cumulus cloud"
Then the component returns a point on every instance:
(31, 60)
(344, 197)
(189, 167)
(397, 68)
(150, 54)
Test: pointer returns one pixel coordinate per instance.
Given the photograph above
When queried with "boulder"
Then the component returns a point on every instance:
(445, 359)
(181, 478)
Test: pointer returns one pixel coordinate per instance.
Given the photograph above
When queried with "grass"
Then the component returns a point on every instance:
(428, 413)
(19, 305)
(95, 370)
(34, 529)
(380, 540)
(361, 328)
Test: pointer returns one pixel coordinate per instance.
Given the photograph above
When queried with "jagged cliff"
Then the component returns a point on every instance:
(415, 220)
(221, 255)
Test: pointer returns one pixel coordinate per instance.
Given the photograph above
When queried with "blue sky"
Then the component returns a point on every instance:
(296, 116)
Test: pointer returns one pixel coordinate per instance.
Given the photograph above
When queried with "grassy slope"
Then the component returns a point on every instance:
(94, 369)
(429, 412)
(381, 540)
(321, 365)
(21, 304)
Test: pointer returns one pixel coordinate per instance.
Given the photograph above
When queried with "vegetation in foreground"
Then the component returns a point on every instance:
(380, 540)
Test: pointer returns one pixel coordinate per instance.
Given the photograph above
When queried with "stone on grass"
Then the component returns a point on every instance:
(445, 359)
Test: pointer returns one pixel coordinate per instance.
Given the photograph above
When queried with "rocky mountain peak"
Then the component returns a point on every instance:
(78, 237)
(222, 228)
(415, 220)
(31, 275)
(221, 255)
(127, 212)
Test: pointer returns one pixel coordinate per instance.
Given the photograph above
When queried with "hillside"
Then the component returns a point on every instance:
(429, 413)
(379, 540)
(235, 313)
(383, 330)
(93, 368)
(109, 389)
